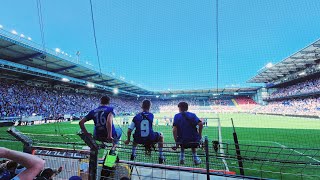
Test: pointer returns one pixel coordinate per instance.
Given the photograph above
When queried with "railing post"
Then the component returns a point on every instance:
(93, 161)
(26, 141)
(206, 146)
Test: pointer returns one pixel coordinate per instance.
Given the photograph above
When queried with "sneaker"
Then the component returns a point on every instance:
(132, 157)
(197, 161)
(181, 161)
(162, 160)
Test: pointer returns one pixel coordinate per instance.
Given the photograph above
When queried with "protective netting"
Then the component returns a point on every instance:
(264, 161)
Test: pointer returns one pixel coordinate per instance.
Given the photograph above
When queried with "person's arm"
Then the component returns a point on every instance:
(109, 125)
(33, 163)
(130, 129)
(175, 133)
(200, 124)
(82, 126)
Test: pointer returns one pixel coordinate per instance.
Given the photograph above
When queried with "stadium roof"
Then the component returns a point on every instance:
(26, 58)
(213, 92)
(299, 61)
(23, 51)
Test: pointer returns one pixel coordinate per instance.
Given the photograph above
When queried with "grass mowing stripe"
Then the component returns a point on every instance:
(281, 145)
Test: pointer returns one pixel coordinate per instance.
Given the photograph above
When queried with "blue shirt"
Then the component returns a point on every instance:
(143, 124)
(186, 124)
(99, 116)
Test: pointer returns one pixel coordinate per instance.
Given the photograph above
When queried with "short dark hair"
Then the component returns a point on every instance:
(183, 106)
(146, 104)
(105, 100)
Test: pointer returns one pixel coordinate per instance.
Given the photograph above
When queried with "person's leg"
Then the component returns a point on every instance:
(160, 144)
(116, 139)
(134, 149)
(196, 159)
(182, 156)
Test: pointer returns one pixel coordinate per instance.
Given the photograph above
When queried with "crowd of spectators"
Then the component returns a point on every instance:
(297, 106)
(306, 87)
(19, 99)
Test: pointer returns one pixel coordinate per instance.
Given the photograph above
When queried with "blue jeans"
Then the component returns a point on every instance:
(118, 135)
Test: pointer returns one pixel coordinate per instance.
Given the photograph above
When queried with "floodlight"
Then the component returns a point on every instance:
(115, 91)
(14, 32)
(138, 95)
(22, 35)
(65, 80)
(269, 65)
(29, 38)
(157, 96)
(57, 50)
(302, 73)
(90, 85)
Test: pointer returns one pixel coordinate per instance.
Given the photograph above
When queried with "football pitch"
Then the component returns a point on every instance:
(260, 130)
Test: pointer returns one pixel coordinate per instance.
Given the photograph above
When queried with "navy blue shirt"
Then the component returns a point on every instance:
(143, 124)
(99, 116)
(186, 124)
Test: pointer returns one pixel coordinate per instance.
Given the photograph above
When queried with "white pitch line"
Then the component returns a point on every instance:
(220, 142)
(297, 151)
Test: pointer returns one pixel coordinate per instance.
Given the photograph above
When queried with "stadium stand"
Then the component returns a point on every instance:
(306, 87)
(309, 106)
(19, 99)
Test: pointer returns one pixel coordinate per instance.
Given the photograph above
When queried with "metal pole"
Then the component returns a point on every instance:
(238, 152)
(93, 162)
(206, 144)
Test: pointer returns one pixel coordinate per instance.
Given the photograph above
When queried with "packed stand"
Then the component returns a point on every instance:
(19, 99)
(297, 106)
(306, 87)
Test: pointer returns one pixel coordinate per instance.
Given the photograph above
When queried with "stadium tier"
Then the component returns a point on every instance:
(307, 87)
(19, 99)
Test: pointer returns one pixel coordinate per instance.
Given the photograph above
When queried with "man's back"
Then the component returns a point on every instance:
(99, 116)
(143, 124)
(186, 123)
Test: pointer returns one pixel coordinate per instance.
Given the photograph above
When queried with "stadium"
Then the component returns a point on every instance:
(261, 119)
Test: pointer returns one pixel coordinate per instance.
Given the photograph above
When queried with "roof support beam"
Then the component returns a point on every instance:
(86, 76)
(119, 84)
(35, 55)
(64, 68)
(103, 81)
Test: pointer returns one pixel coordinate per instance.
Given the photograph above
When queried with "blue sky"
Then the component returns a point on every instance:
(171, 44)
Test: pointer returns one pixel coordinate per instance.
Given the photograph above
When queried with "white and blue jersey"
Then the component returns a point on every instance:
(142, 123)
(186, 124)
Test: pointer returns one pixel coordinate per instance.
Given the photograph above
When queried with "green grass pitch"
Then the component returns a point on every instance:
(252, 129)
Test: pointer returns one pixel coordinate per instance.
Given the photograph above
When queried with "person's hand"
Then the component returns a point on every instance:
(109, 139)
(60, 169)
(3, 152)
(126, 142)
(175, 147)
